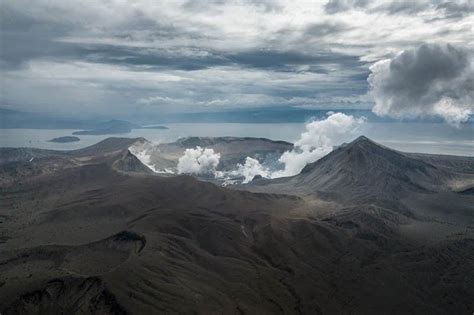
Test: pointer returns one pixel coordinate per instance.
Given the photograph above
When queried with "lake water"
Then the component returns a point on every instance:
(405, 136)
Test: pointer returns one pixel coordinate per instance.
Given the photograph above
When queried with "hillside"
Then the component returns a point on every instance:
(93, 231)
(364, 169)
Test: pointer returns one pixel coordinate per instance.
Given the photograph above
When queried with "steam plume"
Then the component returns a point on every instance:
(317, 141)
(198, 161)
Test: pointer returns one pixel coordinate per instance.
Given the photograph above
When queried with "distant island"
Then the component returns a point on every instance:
(19, 120)
(65, 139)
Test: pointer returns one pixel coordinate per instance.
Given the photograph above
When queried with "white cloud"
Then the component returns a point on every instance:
(198, 161)
(452, 111)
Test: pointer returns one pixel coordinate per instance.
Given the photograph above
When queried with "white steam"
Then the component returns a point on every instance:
(198, 161)
(317, 141)
(143, 152)
(252, 168)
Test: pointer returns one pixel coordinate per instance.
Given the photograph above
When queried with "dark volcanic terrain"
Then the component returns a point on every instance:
(364, 230)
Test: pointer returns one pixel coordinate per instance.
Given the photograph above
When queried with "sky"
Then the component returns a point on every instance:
(397, 58)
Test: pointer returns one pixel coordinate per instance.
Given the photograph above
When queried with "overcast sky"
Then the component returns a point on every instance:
(181, 56)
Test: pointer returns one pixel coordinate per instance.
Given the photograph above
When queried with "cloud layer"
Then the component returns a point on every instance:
(430, 80)
(152, 57)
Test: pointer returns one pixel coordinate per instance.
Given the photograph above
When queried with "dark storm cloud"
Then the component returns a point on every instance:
(186, 58)
(193, 59)
(200, 5)
(414, 71)
(336, 6)
(403, 7)
(285, 60)
(429, 80)
(360, 76)
(26, 37)
(456, 10)
(444, 9)
(319, 30)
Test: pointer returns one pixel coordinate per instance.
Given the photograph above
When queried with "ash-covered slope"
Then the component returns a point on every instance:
(91, 233)
(364, 169)
(106, 146)
(103, 147)
(19, 163)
